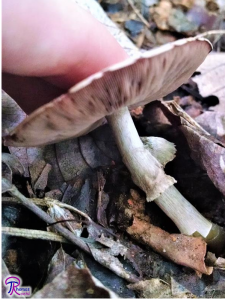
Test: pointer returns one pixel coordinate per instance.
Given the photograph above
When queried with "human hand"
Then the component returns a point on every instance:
(48, 46)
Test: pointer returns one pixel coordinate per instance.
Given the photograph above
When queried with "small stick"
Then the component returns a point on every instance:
(48, 202)
(49, 220)
(138, 13)
(211, 32)
(34, 234)
(101, 184)
(62, 230)
(71, 208)
(14, 200)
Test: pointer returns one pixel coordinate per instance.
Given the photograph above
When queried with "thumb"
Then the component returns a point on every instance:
(56, 40)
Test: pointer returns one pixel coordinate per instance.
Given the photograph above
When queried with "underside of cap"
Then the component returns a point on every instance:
(135, 81)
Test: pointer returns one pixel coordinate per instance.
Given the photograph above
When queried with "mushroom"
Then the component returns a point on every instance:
(135, 81)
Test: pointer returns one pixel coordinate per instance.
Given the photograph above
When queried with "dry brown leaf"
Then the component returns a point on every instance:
(79, 157)
(10, 166)
(69, 221)
(12, 115)
(206, 151)
(109, 256)
(13, 163)
(41, 183)
(214, 123)
(211, 81)
(161, 14)
(6, 178)
(106, 258)
(59, 262)
(103, 201)
(184, 3)
(181, 249)
(11, 112)
(74, 283)
(220, 263)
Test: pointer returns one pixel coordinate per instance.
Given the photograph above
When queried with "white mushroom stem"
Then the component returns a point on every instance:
(147, 172)
(183, 213)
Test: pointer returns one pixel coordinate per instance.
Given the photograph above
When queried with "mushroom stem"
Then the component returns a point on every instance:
(183, 213)
(145, 169)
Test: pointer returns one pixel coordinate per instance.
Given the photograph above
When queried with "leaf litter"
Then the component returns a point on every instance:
(73, 175)
(164, 20)
(70, 278)
(205, 150)
(181, 249)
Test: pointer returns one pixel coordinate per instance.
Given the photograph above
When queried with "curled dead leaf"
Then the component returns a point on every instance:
(181, 249)
(206, 151)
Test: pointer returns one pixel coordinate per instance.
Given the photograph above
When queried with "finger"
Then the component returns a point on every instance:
(55, 39)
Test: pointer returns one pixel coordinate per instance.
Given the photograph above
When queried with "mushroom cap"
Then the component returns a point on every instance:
(135, 81)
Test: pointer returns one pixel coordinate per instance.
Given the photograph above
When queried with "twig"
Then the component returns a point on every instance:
(71, 208)
(62, 230)
(14, 200)
(48, 202)
(34, 234)
(138, 13)
(49, 220)
(101, 184)
(164, 281)
(212, 32)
